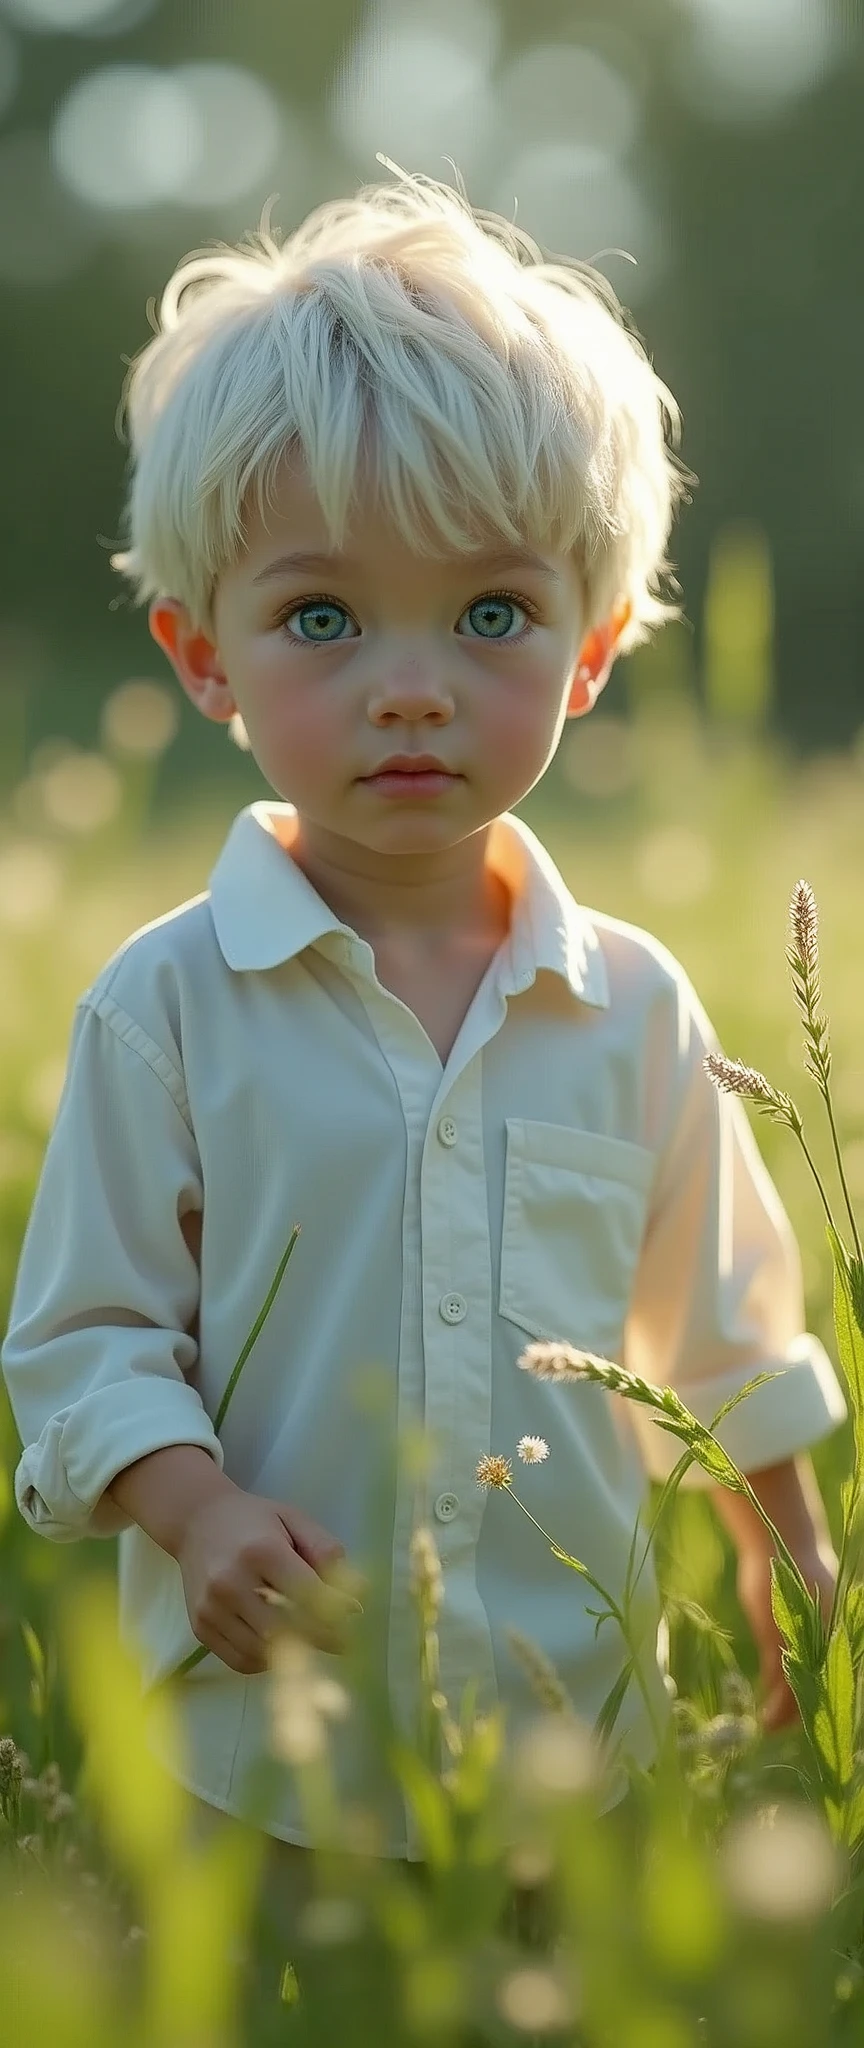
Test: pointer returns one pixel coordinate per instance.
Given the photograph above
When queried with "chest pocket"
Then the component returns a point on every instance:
(574, 1215)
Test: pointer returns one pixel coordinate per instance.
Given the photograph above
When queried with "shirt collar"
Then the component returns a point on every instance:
(265, 910)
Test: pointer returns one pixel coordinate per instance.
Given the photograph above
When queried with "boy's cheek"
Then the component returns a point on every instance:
(307, 746)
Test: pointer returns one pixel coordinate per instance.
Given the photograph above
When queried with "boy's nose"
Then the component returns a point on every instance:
(413, 689)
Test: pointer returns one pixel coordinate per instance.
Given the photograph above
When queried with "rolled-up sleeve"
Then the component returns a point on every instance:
(718, 1295)
(99, 1343)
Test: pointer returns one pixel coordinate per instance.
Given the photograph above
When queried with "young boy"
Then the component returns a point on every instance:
(402, 492)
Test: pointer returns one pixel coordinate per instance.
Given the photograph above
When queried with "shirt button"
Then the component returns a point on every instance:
(447, 1132)
(453, 1308)
(446, 1506)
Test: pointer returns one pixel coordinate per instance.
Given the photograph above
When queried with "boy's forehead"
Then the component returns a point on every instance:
(292, 534)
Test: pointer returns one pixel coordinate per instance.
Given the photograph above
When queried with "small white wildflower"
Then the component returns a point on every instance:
(532, 1449)
(493, 1470)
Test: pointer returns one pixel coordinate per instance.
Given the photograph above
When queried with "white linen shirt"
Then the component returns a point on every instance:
(571, 1172)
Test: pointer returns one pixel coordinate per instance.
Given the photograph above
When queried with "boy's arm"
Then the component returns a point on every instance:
(717, 1297)
(717, 1300)
(161, 1492)
(790, 1495)
(99, 1348)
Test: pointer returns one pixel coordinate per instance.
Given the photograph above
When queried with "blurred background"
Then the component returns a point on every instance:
(708, 154)
(718, 143)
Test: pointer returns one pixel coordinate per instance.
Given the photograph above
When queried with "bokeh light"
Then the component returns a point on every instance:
(131, 136)
(555, 1757)
(530, 1864)
(535, 2001)
(674, 864)
(240, 130)
(579, 201)
(375, 102)
(599, 755)
(568, 91)
(77, 17)
(780, 1863)
(31, 883)
(139, 718)
(743, 60)
(81, 793)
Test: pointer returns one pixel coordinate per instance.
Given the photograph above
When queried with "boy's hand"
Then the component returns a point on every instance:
(818, 1568)
(237, 1542)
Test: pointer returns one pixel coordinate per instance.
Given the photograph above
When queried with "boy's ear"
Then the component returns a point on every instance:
(596, 659)
(193, 657)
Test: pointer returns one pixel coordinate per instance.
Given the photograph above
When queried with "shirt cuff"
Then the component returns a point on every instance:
(778, 1421)
(60, 1480)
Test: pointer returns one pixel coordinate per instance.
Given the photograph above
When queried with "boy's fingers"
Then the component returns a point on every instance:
(308, 1534)
(242, 1650)
(322, 1553)
(317, 1545)
(295, 1617)
(288, 1573)
(347, 1580)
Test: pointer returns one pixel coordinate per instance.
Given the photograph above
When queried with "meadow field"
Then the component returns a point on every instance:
(723, 1910)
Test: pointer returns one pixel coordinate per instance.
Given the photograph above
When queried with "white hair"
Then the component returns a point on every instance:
(494, 392)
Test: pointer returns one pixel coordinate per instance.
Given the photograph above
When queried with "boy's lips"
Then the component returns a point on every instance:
(409, 764)
(410, 785)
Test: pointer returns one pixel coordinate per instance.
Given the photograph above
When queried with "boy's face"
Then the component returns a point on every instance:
(336, 666)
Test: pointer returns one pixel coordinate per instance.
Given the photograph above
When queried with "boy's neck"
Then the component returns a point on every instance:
(459, 909)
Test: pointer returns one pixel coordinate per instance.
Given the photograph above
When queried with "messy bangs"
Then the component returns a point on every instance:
(403, 343)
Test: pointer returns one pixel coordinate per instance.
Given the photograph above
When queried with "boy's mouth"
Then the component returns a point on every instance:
(411, 775)
(409, 764)
(411, 782)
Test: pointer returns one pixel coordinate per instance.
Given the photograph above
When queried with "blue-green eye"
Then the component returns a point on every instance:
(486, 609)
(486, 614)
(320, 612)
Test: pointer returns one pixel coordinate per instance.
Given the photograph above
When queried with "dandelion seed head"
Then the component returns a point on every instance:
(532, 1449)
(493, 1470)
